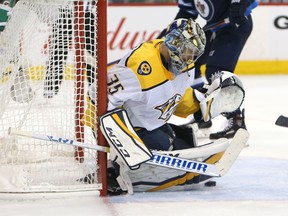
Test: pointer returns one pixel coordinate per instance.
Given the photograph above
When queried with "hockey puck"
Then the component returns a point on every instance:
(210, 184)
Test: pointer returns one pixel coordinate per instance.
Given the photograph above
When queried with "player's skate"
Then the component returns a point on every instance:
(230, 130)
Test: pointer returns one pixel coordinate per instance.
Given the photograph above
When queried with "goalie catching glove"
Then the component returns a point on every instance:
(125, 144)
(225, 94)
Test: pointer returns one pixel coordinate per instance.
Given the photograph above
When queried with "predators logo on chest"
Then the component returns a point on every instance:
(168, 108)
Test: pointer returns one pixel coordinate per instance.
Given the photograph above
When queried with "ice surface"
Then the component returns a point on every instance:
(256, 184)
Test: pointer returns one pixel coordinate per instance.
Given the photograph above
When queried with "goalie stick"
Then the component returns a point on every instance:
(282, 121)
(157, 158)
(215, 170)
(237, 144)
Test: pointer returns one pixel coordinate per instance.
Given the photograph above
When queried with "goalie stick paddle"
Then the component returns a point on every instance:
(158, 159)
(282, 121)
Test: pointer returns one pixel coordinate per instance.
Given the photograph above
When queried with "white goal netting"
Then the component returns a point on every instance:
(47, 62)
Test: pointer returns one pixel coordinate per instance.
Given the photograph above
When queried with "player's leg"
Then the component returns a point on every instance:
(226, 48)
(158, 139)
(202, 128)
(200, 64)
(185, 137)
(58, 52)
(90, 46)
(168, 137)
(225, 51)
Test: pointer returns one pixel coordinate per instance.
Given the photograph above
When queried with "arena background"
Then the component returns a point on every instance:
(264, 53)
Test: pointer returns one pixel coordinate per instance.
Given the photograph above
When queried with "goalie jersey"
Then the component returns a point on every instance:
(150, 94)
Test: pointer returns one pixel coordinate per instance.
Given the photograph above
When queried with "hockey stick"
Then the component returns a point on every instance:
(215, 25)
(14, 131)
(282, 121)
(232, 152)
(158, 159)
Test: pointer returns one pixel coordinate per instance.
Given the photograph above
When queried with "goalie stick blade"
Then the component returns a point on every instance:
(282, 121)
(232, 152)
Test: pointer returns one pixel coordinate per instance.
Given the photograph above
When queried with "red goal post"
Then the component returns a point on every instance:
(102, 87)
(50, 53)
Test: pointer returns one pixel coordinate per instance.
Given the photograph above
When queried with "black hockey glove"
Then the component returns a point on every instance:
(237, 12)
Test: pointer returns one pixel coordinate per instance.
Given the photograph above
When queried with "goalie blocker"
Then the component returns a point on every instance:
(123, 140)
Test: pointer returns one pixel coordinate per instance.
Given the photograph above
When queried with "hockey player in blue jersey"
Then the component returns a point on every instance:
(224, 45)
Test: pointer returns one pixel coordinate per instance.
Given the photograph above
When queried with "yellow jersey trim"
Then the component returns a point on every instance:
(145, 61)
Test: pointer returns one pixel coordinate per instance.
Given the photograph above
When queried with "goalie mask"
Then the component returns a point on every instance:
(185, 41)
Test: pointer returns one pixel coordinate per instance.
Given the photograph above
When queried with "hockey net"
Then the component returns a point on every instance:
(48, 58)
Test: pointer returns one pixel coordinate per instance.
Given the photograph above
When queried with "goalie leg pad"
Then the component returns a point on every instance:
(121, 136)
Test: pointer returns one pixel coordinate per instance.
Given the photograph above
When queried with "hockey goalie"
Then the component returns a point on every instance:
(149, 85)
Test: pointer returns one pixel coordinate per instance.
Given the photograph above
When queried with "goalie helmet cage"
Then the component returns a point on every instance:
(48, 58)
